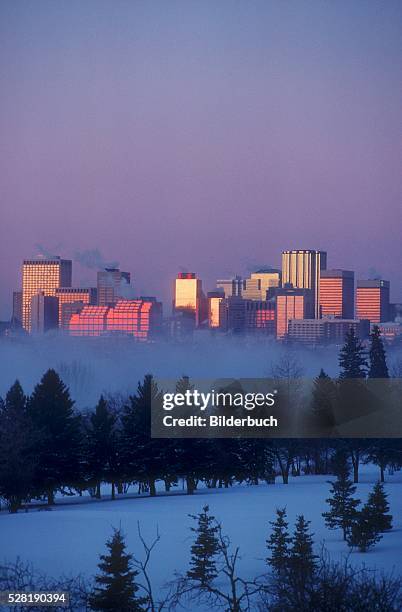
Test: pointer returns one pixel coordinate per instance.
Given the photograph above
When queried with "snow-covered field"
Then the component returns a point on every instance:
(70, 537)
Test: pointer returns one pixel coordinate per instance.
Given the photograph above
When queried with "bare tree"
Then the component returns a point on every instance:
(228, 591)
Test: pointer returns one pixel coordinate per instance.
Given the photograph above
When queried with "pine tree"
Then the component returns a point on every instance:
(352, 358)
(17, 458)
(58, 435)
(278, 542)
(377, 357)
(302, 560)
(363, 532)
(205, 549)
(377, 508)
(342, 503)
(117, 589)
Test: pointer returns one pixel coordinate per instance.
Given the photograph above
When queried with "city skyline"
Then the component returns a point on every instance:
(278, 303)
(210, 283)
(207, 136)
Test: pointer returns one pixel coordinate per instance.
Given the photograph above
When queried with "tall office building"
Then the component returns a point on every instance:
(188, 296)
(45, 275)
(292, 303)
(17, 309)
(260, 316)
(231, 287)
(44, 313)
(214, 300)
(372, 300)
(256, 287)
(302, 269)
(69, 295)
(337, 288)
(233, 314)
(112, 285)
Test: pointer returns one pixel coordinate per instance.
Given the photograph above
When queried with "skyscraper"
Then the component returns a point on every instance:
(337, 288)
(292, 303)
(45, 275)
(372, 300)
(112, 285)
(17, 309)
(214, 300)
(188, 296)
(302, 269)
(44, 313)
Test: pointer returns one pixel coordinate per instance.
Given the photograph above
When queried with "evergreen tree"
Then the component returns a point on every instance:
(383, 452)
(58, 443)
(302, 560)
(377, 357)
(377, 508)
(101, 445)
(342, 503)
(117, 589)
(363, 532)
(352, 358)
(205, 549)
(323, 401)
(278, 542)
(193, 457)
(17, 459)
(142, 455)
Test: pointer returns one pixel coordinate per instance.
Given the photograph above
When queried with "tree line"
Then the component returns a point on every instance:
(48, 447)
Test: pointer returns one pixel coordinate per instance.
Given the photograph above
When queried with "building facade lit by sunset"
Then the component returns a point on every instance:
(372, 300)
(45, 275)
(112, 285)
(188, 296)
(292, 303)
(302, 269)
(214, 313)
(256, 287)
(69, 295)
(141, 319)
(337, 289)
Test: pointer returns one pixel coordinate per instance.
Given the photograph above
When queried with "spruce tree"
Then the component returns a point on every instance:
(377, 357)
(278, 542)
(205, 549)
(352, 358)
(377, 508)
(363, 533)
(116, 587)
(17, 458)
(342, 503)
(302, 560)
(58, 435)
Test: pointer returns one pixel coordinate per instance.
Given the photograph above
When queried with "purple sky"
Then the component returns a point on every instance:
(201, 135)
